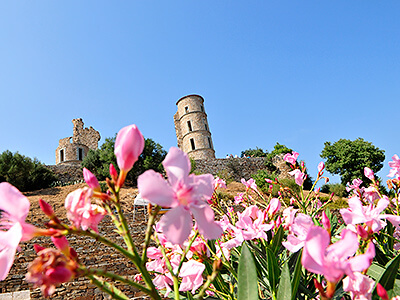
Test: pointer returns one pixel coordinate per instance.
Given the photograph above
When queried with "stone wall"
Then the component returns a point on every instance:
(91, 253)
(67, 172)
(238, 168)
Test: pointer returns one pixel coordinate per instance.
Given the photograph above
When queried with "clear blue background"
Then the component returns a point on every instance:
(295, 72)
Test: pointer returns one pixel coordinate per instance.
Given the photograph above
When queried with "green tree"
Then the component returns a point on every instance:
(24, 173)
(258, 152)
(349, 158)
(98, 161)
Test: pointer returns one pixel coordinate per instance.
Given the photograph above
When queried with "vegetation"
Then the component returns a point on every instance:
(98, 161)
(336, 188)
(24, 173)
(349, 158)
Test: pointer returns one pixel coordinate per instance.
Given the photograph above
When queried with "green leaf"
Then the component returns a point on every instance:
(388, 277)
(277, 240)
(273, 270)
(285, 288)
(296, 275)
(247, 275)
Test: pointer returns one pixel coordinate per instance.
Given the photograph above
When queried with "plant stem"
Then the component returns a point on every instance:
(107, 288)
(149, 230)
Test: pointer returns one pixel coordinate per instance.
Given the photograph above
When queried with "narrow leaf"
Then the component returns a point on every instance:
(388, 277)
(277, 240)
(296, 275)
(285, 288)
(247, 276)
(273, 271)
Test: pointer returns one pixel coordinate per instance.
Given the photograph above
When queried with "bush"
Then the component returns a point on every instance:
(98, 161)
(24, 173)
(337, 188)
(262, 185)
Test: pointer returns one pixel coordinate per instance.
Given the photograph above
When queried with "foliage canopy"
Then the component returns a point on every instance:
(24, 173)
(98, 161)
(349, 158)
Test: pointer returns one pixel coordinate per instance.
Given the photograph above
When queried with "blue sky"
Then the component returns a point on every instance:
(295, 72)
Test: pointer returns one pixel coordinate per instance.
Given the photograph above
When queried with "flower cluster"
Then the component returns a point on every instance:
(198, 247)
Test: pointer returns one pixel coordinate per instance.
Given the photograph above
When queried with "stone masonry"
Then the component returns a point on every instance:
(192, 130)
(75, 148)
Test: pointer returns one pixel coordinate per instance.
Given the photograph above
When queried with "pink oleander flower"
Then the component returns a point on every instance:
(250, 184)
(192, 276)
(81, 212)
(354, 186)
(370, 194)
(369, 173)
(50, 269)
(360, 287)
(334, 260)
(370, 215)
(219, 183)
(291, 158)
(288, 215)
(299, 177)
(298, 232)
(238, 198)
(273, 207)
(252, 224)
(129, 144)
(14, 208)
(91, 180)
(395, 167)
(186, 194)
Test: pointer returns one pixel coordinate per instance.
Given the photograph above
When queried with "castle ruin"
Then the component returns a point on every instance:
(73, 149)
(192, 130)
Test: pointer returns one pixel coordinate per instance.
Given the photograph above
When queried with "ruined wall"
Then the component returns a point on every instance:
(67, 172)
(90, 252)
(238, 168)
(76, 147)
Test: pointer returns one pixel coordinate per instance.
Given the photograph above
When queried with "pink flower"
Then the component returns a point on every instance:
(355, 186)
(50, 269)
(186, 194)
(291, 158)
(299, 177)
(369, 173)
(370, 215)
(219, 183)
(81, 212)
(298, 232)
(360, 287)
(334, 260)
(273, 207)
(238, 198)
(192, 276)
(395, 167)
(250, 184)
(288, 215)
(129, 144)
(91, 180)
(14, 208)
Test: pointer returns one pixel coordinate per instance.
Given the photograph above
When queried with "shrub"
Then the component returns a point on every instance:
(337, 188)
(23, 172)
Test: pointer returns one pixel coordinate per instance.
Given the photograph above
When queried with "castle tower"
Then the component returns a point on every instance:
(74, 148)
(192, 130)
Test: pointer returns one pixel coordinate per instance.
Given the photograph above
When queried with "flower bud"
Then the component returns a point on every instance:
(380, 290)
(62, 244)
(129, 144)
(321, 166)
(113, 173)
(326, 222)
(369, 173)
(91, 180)
(46, 208)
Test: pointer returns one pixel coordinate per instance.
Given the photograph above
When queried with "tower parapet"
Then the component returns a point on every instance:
(192, 130)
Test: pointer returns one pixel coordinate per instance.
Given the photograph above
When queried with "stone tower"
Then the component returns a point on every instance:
(74, 148)
(192, 130)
